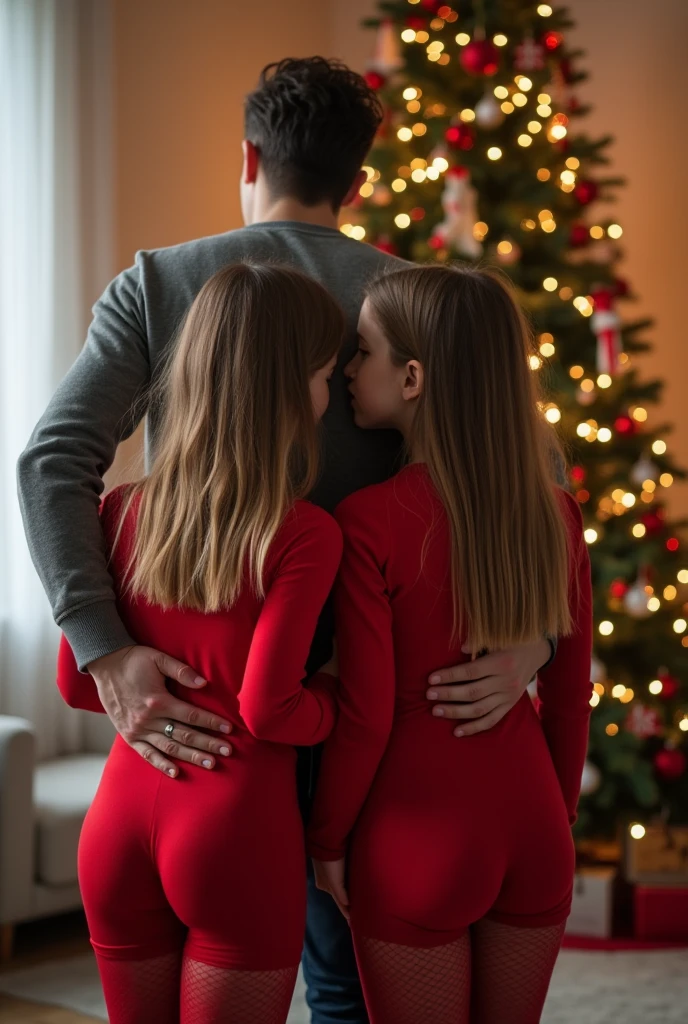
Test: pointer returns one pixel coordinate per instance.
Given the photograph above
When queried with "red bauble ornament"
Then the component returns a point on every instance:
(480, 57)
(625, 425)
(670, 764)
(432, 5)
(618, 588)
(670, 686)
(673, 544)
(577, 474)
(579, 235)
(374, 80)
(460, 136)
(552, 40)
(436, 242)
(417, 213)
(586, 191)
(416, 23)
(643, 722)
(653, 522)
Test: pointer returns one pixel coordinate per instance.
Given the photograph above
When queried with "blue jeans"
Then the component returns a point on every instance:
(329, 967)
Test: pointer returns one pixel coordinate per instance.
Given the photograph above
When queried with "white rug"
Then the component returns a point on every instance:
(587, 988)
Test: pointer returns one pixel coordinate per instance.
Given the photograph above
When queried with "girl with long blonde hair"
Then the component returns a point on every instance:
(453, 860)
(195, 889)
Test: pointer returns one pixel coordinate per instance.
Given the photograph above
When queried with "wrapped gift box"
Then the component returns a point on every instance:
(659, 858)
(593, 901)
(661, 913)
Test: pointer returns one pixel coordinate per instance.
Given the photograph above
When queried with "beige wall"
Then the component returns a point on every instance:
(183, 66)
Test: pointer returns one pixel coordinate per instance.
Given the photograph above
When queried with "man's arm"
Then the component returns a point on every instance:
(60, 473)
(60, 478)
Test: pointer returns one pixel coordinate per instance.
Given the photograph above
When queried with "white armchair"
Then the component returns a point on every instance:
(42, 808)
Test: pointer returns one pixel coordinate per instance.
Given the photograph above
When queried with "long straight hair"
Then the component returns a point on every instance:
(239, 442)
(487, 448)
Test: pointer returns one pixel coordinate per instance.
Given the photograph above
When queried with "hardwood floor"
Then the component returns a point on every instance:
(12, 1010)
(35, 943)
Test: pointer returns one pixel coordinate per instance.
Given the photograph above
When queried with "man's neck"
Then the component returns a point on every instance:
(291, 209)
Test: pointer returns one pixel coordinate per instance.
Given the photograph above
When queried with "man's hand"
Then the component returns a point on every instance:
(329, 876)
(131, 687)
(488, 687)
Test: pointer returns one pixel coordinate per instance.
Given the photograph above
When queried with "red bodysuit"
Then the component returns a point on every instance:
(442, 831)
(214, 861)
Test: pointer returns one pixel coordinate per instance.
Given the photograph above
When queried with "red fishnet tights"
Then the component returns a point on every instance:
(405, 985)
(141, 991)
(213, 995)
(163, 990)
(498, 974)
(512, 969)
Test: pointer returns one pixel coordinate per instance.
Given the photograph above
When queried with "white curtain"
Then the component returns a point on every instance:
(51, 249)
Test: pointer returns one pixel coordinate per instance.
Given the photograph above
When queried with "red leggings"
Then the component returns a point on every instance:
(196, 885)
(460, 875)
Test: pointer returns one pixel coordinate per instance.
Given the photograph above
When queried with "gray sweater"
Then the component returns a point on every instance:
(103, 398)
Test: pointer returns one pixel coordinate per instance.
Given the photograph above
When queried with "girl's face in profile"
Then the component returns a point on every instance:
(378, 387)
(320, 389)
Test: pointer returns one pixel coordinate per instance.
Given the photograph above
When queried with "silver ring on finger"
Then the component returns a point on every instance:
(169, 730)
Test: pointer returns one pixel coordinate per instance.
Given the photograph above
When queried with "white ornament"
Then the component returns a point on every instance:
(459, 202)
(387, 56)
(635, 601)
(591, 778)
(488, 113)
(644, 469)
(598, 671)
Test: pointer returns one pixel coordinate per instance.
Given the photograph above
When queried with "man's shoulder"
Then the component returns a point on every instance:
(208, 247)
(269, 241)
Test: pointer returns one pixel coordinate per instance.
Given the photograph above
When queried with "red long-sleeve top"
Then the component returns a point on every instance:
(253, 654)
(393, 612)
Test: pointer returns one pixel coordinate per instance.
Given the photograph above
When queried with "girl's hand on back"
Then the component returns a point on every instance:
(329, 877)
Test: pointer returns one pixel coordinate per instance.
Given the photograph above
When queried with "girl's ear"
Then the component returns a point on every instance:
(413, 382)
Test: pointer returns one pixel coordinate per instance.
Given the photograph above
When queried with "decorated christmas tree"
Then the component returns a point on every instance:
(483, 156)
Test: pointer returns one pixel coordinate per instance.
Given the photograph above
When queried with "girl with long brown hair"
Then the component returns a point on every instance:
(195, 890)
(453, 860)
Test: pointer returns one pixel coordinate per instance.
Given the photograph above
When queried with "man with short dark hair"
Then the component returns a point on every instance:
(309, 126)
